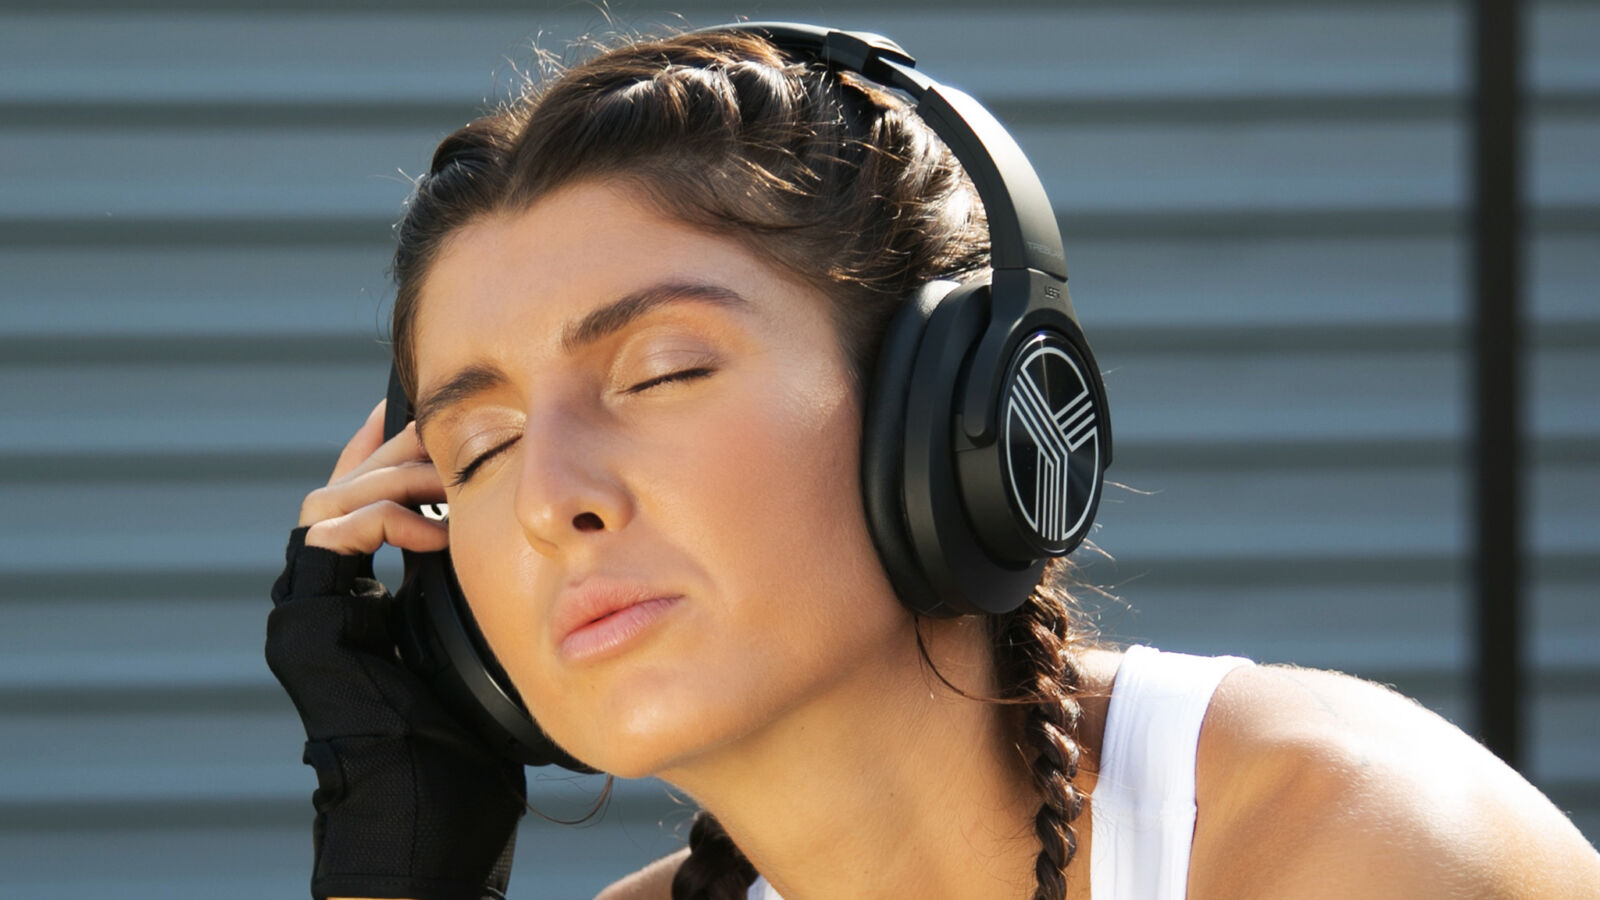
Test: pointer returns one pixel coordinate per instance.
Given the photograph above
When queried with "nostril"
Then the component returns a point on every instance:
(588, 522)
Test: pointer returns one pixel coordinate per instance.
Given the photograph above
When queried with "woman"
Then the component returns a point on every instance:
(638, 313)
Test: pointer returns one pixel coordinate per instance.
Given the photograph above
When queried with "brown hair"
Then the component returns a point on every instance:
(826, 177)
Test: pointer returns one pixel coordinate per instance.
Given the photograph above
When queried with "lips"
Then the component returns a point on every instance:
(602, 614)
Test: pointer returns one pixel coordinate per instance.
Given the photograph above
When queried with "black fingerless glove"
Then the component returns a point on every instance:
(409, 802)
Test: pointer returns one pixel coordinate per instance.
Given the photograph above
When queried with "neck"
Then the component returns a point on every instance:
(889, 784)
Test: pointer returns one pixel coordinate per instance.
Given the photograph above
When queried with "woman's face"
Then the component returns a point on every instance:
(642, 415)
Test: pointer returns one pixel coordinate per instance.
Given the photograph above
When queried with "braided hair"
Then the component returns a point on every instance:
(714, 869)
(1033, 655)
(722, 132)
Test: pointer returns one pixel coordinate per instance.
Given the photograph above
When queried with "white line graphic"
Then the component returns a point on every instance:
(1056, 434)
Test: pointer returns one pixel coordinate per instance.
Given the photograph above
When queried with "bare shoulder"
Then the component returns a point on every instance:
(653, 882)
(1317, 784)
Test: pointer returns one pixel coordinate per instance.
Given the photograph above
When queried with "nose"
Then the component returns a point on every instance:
(568, 489)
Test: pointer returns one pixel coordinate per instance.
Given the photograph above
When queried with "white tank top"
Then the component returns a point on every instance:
(1143, 801)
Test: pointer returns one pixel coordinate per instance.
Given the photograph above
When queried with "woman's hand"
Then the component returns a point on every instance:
(410, 802)
(367, 501)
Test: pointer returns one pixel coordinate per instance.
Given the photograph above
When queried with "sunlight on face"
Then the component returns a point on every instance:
(633, 412)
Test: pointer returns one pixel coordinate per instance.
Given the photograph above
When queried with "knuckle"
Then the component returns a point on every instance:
(389, 510)
(315, 507)
(343, 534)
(321, 533)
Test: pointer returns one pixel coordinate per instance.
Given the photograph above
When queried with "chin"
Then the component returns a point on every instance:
(636, 753)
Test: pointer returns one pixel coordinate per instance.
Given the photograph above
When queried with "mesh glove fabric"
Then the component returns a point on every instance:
(409, 802)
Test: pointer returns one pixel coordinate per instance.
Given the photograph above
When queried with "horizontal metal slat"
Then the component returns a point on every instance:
(139, 231)
(68, 759)
(1175, 389)
(1277, 513)
(90, 581)
(311, 466)
(312, 291)
(159, 854)
(1142, 167)
(266, 293)
(62, 761)
(429, 54)
(1182, 50)
(167, 654)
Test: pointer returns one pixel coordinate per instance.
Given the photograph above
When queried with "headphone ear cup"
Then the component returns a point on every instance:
(961, 576)
(883, 448)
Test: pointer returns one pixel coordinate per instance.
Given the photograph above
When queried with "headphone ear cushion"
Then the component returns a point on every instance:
(883, 446)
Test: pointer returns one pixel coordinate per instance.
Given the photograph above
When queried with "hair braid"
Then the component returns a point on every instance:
(715, 869)
(1043, 672)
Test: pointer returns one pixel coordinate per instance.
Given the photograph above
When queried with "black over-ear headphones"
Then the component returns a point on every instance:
(986, 434)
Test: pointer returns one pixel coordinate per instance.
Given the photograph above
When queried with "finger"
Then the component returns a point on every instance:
(401, 449)
(363, 531)
(361, 445)
(411, 484)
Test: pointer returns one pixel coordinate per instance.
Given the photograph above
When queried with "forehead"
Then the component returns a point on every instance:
(509, 282)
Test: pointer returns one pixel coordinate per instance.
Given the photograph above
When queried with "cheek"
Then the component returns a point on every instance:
(797, 558)
(775, 483)
(501, 578)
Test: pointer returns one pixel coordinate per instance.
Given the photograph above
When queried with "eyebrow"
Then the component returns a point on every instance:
(617, 315)
(470, 381)
(593, 327)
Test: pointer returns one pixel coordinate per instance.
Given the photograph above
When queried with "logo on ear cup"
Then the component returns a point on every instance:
(1051, 441)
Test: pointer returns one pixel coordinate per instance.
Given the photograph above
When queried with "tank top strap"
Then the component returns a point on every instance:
(1143, 805)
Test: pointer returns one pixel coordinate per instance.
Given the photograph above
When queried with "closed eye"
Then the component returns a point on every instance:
(466, 471)
(681, 375)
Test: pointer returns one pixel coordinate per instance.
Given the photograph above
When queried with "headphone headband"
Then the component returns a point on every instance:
(1022, 225)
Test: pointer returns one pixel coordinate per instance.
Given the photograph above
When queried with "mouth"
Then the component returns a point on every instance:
(600, 620)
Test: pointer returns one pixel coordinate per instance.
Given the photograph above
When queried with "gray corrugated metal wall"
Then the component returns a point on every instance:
(1263, 205)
